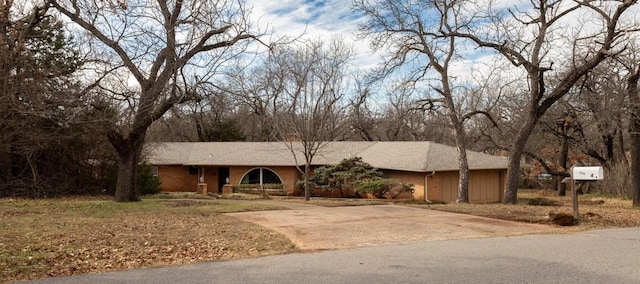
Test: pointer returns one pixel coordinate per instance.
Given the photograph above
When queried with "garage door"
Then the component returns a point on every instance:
(449, 187)
(484, 187)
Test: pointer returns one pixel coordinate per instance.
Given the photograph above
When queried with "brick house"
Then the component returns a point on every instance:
(431, 167)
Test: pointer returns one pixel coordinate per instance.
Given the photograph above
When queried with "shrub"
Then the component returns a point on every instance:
(277, 188)
(146, 182)
(381, 187)
(541, 201)
(344, 176)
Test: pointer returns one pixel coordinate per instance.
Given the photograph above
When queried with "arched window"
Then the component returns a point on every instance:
(262, 177)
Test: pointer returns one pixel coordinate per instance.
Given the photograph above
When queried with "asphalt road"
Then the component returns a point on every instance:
(604, 256)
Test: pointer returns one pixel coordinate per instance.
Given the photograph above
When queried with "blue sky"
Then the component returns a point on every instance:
(319, 16)
(313, 20)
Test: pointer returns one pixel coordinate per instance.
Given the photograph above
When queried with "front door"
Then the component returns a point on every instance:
(223, 175)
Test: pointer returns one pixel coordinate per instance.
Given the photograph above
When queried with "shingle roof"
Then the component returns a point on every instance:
(419, 156)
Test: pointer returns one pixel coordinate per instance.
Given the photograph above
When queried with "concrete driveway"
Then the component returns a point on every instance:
(313, 227)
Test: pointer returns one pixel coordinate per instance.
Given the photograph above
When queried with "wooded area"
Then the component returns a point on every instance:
(85, 84)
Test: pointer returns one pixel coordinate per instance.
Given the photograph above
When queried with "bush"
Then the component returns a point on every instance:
(541, 201)
(146, 182)
(269, 188)
(383, 188)
(345, 176)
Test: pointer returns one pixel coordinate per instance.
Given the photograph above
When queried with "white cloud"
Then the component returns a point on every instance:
(308, 19)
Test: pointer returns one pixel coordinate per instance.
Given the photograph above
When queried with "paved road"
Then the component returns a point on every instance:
(312, 227)
(605, 256)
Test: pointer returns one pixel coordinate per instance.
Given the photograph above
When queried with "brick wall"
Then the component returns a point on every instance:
(177, 178)
(417, 179)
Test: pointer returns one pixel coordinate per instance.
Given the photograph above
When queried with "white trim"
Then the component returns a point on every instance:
(261, 175)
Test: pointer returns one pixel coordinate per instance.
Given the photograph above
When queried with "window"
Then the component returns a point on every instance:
(262, 176)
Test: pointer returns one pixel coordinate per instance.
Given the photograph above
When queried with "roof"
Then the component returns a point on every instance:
(415, 156)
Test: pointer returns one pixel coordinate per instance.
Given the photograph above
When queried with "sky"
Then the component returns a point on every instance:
(312, 19)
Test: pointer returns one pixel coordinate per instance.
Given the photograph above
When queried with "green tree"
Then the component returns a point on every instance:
(355, 176)
(344, 176)
(46, 150)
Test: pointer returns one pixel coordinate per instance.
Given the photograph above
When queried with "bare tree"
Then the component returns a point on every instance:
(258, 92)
(156, 54)
(390, 114)
(361, 118)
(417, 34)
(212, 117)
(600, 99)
(533, 40)
(311, 110)
(634, 131)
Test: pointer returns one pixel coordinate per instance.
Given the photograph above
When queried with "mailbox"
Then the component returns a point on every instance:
(587, 173)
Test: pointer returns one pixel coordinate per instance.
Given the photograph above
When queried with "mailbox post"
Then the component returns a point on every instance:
(583, 174)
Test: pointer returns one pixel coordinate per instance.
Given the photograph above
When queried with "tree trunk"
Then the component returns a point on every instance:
(513, 177)
(129, 151)
(307, 190)
(461, 137)
(562, 187)
(634, 131)
(564, 153)
(463, 181)
(513, 172)
(126, 189)
(635, 160)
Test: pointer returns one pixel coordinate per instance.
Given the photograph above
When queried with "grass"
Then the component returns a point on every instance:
(596, 211)
(56, 237)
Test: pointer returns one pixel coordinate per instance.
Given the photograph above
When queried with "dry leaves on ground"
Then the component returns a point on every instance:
(595, 211)
(65, 237)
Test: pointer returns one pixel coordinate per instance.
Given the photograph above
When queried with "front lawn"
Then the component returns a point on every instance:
(596, 211)
(56, 237)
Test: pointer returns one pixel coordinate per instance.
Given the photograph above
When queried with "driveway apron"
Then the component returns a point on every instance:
(312, 227)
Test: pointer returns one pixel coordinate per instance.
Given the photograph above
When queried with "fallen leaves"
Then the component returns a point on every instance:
(53, 242)
(596, 212)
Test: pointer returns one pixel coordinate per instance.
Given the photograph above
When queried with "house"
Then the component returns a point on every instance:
(431, 167)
